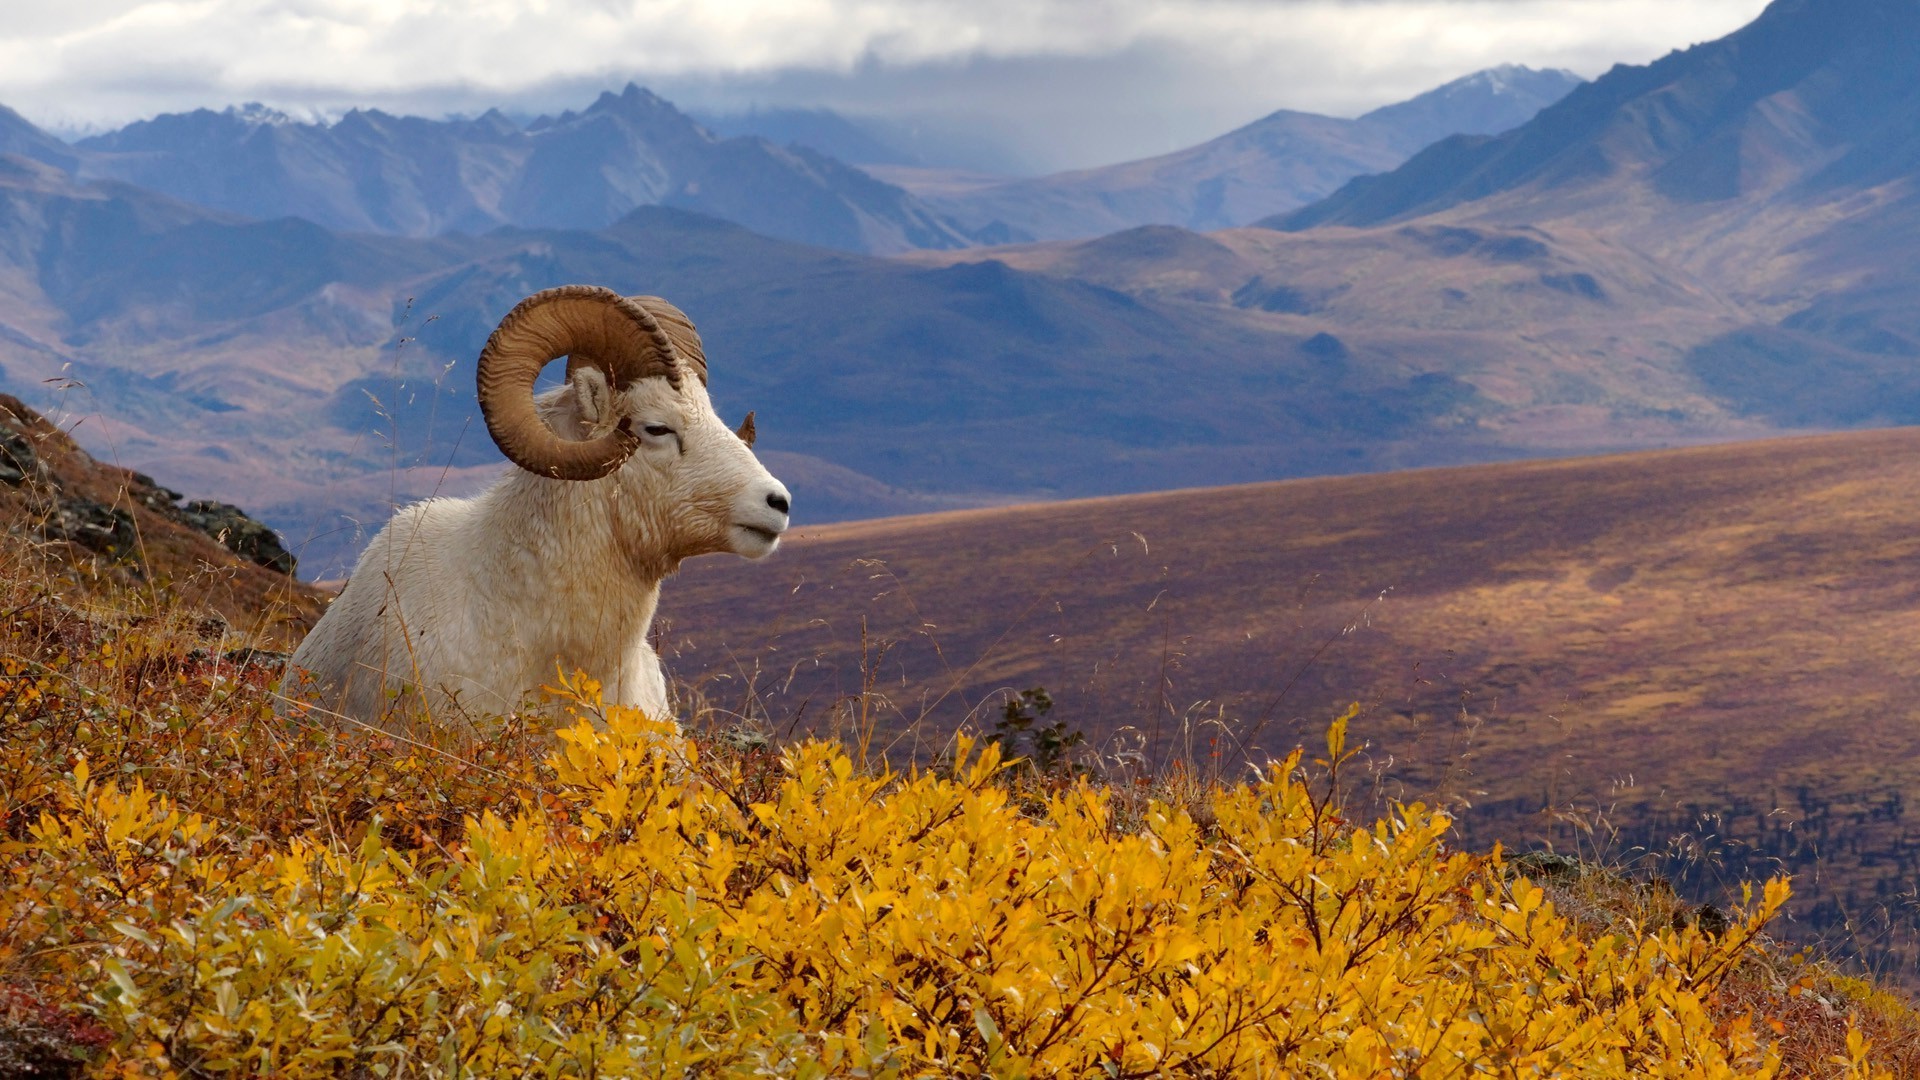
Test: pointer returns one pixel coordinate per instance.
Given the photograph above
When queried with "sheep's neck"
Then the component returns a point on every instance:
(566, 548)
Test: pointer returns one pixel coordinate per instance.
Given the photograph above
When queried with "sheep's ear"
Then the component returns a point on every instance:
(594, 397)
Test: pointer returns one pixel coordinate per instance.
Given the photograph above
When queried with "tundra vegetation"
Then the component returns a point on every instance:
(196, 884)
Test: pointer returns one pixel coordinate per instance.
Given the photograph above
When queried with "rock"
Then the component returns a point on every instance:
(239, 533)
(1711, 920)
(108, 530)
(1545, 866)
(18, 462)
(153, 496)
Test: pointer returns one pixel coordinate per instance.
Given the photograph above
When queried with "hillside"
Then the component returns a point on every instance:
(1710, 647)
(208, 883)
(1775, 167)
(93, 530)
(1276, 163)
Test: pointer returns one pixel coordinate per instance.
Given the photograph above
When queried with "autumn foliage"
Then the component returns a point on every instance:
(195, 885)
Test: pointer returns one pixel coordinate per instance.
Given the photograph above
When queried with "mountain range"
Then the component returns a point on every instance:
(286, 313)
(1775, 168)
(782, 173)
(1282, 161)
(408, 176)
(1688, 249)
(302, 372)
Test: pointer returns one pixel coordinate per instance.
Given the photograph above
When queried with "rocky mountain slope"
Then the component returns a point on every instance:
(63, 508)
(1276, 163)
(1775, 167)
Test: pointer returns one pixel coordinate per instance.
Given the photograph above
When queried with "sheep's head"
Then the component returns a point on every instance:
(633, 423)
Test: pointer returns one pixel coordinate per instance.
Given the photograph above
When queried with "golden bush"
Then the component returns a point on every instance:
(635, 909)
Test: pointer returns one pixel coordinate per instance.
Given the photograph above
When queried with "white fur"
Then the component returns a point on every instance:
(460, 609)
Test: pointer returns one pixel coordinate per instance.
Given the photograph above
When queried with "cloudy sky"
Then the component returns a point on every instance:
(1041, 83)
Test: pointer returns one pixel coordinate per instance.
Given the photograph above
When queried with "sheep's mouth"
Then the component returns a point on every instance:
(768, 535)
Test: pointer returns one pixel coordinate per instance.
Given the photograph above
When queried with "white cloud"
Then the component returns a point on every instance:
(1196, 65)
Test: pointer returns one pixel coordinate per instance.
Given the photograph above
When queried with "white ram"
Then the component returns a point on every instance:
(461, 609)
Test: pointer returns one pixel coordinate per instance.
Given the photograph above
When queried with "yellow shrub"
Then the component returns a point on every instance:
(641, 916)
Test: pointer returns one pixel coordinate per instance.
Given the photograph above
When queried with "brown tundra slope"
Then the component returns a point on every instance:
(1709, 652)
(90, 529)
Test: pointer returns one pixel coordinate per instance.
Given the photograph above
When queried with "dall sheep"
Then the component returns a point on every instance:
(462, 608)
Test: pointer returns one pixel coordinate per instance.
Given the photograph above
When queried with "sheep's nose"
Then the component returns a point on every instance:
(779, 502)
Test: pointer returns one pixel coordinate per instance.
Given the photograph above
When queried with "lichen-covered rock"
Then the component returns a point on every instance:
(98, 527)
(239, 533)
(18, 462)
(153, 496)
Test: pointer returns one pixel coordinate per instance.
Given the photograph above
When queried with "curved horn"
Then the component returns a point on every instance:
(745, 430)
(592, 325)
(680, 331)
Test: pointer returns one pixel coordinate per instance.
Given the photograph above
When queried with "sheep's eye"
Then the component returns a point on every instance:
(658, 431)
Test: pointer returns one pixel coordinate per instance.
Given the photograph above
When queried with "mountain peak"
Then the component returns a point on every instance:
(1515, 78)
(259, 115)
(1812, 96)
(1482, 103)
(632, 98)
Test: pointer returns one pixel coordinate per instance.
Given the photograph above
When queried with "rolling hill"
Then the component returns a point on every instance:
(1705, 652)
(1276, 163)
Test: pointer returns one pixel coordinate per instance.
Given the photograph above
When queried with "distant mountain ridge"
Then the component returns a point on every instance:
(19, 136)
(408, 176)
(784, 175)
(1284, 160)
(823, 130)
(1811, 97)
(1486, 102)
